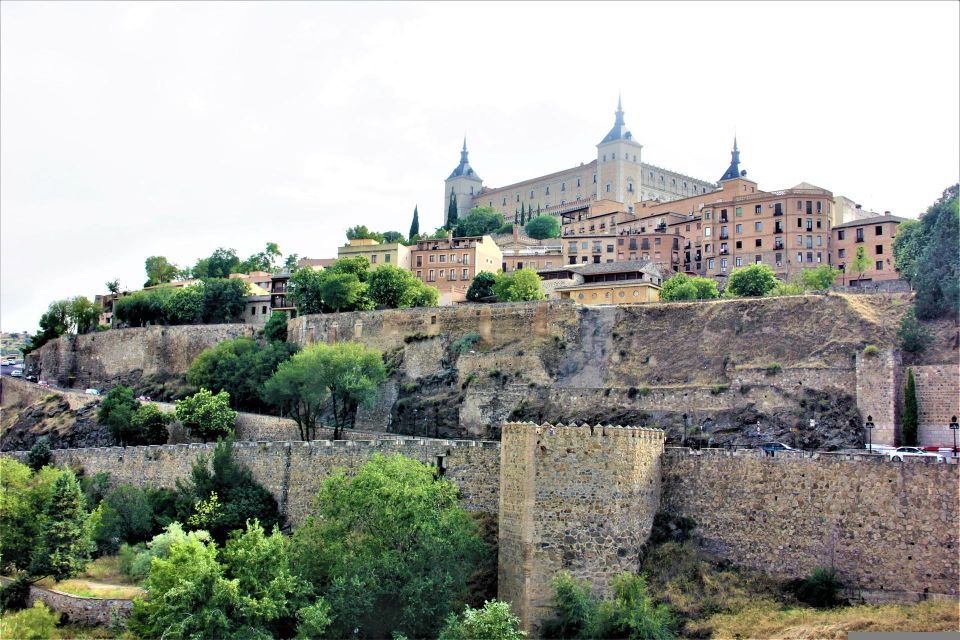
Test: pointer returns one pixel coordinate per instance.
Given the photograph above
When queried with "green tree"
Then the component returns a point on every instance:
(543, 227)
(23, 498)
(415, 225)
(116, 412)
(239, 367)
(65, 541)
(393, 236)
(126, 516)
(911, 412)
(290, 263)
(390, 548)
(143, 307)
(452, 212)
(83, 314)
(36, 623)
(420, 295)
(478, 222)
(39, 455)
(275, 329)
(358, 266)
(908, 247)
(360, 232)
(184, 305)
(389, 286)
(683, 287)
(504, 229)
(913, 336)
(53, 324)
(205, 415)
(265, 260)
(340, 291)
(523, 217)
(937, 283)
(113, 287)
(224, 300)
(238, 496)
(495, 621)
(819, 279)
(753, 280)
(304, 291)
(149, 425)
(521, 285)
(297, 388)
(860, 262)
(481, 287)
(159, 271)
(219, 264)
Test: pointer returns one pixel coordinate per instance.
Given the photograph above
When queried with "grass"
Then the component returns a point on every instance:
(101, 579)
(768, 619)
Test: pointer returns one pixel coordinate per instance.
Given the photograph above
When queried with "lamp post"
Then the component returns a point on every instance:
(869, 427)
(954, 426)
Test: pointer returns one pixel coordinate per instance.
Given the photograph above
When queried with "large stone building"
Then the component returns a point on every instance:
(618, 173)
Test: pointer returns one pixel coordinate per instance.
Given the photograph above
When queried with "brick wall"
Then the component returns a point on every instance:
(91, 612)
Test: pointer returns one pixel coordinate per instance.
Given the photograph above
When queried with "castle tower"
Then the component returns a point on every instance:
(618, 163)
(463, 182)
(733, 171)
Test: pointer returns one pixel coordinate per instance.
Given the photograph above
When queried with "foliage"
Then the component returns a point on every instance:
(116, 412)
(275, 330)
(914, 337)
(910, 419)
(481, 287)
(83, 315)
(205, 415)
(521, 285)
(14, 596)
(504, 228)
(480, 221)
(240, 367)
(937, 282)
(819, 279)
(908, 246)
(223, 300)
(53, 324)
(360, 232)
(543, 227)
(821, 589)
(23, 498)
(219, 264)
(340, 291)
(860, 262)
(135, 560)
(265, 260)
(346, 373)
(64, 544)
(773, 368)
(752, 280)
(466, 342)
(246, 590)
(495, 621)
(415, 225)
(394, 236)
(184, 305)
(794, 288)
(871, 351)
(113, 286)
(240, 497)
(390, 548)
(142, 307)
(39, 455)
(452, 214)
(303, 291)
(159, 271)
(130, 515)
(36, 623)
(393, 287)
(340, 287)
(149, 426)
(683, 287)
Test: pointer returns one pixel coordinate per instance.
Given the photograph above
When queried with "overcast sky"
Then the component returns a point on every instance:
(136, 129)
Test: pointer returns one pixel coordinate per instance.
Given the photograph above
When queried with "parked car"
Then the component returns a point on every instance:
(770, 447)
(92, 392)
(17, 373)
(900, 453)
(42, 383)
(31, 378)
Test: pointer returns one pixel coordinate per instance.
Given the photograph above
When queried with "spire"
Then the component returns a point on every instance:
(619, 130)
(464, 168)
(733, 171)
(463, 152)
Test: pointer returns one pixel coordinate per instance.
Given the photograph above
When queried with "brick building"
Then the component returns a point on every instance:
(604, 283)
(449, 264)
(521, 251)
(377, 253)
(875, 235)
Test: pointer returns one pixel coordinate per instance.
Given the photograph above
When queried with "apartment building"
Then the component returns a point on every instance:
(521, 251)
(449, 264)
(876, 236)
(624, 282)
(377, 253)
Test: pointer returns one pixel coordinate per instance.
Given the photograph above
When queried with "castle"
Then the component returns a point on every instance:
(617, 173)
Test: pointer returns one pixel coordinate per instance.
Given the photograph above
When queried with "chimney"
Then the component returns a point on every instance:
(886, 213)
(859, 206)
(516, 232)
(450, 236)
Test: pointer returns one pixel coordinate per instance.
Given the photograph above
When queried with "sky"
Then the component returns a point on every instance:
(136, 129)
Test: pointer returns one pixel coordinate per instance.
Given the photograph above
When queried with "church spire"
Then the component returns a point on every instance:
(619, 130)
(733, 171)
(464, 168)
(463, 152)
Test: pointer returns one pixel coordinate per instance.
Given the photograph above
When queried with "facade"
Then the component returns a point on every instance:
(258, 308)
(260, 279)
(315, 262)
(522, 251)
(376, 253)
(605, 283)
(846, 210)
(278, 294)
(449, 264)
(875, 235)
(617, 173)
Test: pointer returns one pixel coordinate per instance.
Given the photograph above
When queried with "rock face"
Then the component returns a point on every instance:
(52, 417)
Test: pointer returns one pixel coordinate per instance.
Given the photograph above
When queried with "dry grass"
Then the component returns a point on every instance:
(768, 619)
(106, 569)
(90, 589)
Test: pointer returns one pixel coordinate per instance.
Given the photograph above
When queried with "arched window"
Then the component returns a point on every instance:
(630, 186)
(608, 187)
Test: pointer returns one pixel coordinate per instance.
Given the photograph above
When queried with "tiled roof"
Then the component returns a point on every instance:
(591, 269)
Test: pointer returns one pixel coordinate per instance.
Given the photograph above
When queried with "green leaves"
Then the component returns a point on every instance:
(205, 415)
(481, 287)
(753, 280)
(543, 227)
(521, 285)
(684, 287)
(65, 538)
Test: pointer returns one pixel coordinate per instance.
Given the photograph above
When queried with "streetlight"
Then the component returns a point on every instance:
(954, 426)
(869, 427)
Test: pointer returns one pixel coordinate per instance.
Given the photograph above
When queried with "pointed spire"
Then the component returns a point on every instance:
(733, 171)
(464, 169)
(463, 152)
(619, 130)
(619, 102)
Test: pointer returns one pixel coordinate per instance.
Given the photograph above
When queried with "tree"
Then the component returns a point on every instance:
(415, 225)
(393, 236)
(53, 324)
(911, 412)
(360, 232)
(523, 217)
(683, 287)
(39, 455)
(908, 247)
(113, 287)
(390, 548)
(143, 307)
(116, 412)
(304, 291)
(222, 481)
(185, 305)
(358, 266)
(391, 286)
(495, 621)
(36, 623)
(297, 388)
(159, 271)
(83, 314)
(262, 261)
(65, 538)
(819, 279)
(481, 287)
(753, 280)
(205, 415)
(543, 227)
(937, 283)
(860, 262)
(521, 285)
(340, 291)
(479, 221)
(913, 336)
(219, 264)
(290, 264)
(452, 212)
(224, 300)
(275, 329)
(126, 516)
(149, 425)
(421, 295)
(239, 367)
(23, 498)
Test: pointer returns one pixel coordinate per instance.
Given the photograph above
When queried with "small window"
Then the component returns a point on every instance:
(758, 226)
(879, 265)
(608, 187)
(443, 257)
(706, 232)
(432, 258)
(263, 309)
(879, 249)
(578, 182)
(799, 205)
(758, 209)
(563, 186)
(841, 253)
(759, 242)
(594, 178)
(373, 259)
(630, 187)
(819, 206)
(878, 230)
(547, 192)
(518, 196)
(386, 257)
(739, 244)
(253, 311)
(840, 234)
(757, 259)
(738, 262)
(739, 209)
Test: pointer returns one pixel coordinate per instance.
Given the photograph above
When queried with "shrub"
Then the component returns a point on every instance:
(14, 595)
(774, 368)
(820, 589)
(116, 412)
(683, 287)
(149, 425)
(753, 280)
(495, 621)
(206, 416)
(717, 389)
(135, 560)
(466, 342)
(481, 287)
(871, 351)
(275, 330)
(35, 623)
(914, 337)
(39, 455)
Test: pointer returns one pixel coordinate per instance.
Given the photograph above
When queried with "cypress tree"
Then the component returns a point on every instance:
(452, 211)
(538, 208)
(910, 417)
(65, 543)
(523, 218)
(516, 216)
(415, 225)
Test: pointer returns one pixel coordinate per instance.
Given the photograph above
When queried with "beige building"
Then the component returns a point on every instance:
(449, 264)
(876, 236)
(617, 173)
(605, 283)
(377, 253)
(521, 251)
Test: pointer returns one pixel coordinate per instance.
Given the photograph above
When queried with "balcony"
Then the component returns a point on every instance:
(778, 228)
(778, 246)
(724, 252)
(724, 236)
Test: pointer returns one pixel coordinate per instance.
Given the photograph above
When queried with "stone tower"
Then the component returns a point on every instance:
(618, 163)
(577, 499)
(464, 182)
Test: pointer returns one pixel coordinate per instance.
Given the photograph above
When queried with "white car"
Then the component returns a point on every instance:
(898, 454)
(92, 392)
(17, 373)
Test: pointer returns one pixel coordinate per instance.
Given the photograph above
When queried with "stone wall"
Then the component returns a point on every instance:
(878, 381)
(91, 612)
(889, 529)
(107, 358)
(938, 400)
(576, 499)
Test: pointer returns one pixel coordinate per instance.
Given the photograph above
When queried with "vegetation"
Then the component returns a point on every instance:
(129, 515)
(74, 315)
(209, 301)
(819, 279)
(275, 329)
(774, 368)
(340, 287)
(910, 420)
(390, 549)
(160, 271)
(205, 415)
(927, 253)
(452, 207)
(35, 623)
(240, 367)
(64, 541)
(39, 455)
(912, 335)
(871, 351)
(481, 287)
(415, 225)
(135, 560)
(495, 621)
(521, 285)
(131, 423)
(684, 287)
(752, 280)
(543, 227)
(393, 287)
(24, 495)
(860, 262)
(821, 589)
(466, 342)
(480, 221)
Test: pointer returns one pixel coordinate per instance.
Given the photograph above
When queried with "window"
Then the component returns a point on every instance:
(442, 273)
(443, 257)
(609, 248)
(809, 242)
(386, 257)
(613, 156)
(253, 310)
(453, 274)
(739, 211)
(608, 187)
(706, 215)
(430, 277)
(758, 226)
(819, 257)
(799, 205)
(819, 241)
(531, 194)
(879, 251)
(809, 207)
(799, 241)
(878, 230)
(739, 244)
(758, 242)
(819, 206)
(420, 274)
(466, 258)
(841, 253)
(738, 228)
(840, 234)
(879, 265)
(578, 182)
(504, 200)
(263, 309)
(432, 258)
(419, 261)
(594, 178)
(373, 259)
(799, 257)
(809, 224)
(563, 186)
(710, 263)
(706, 232)
(738, 262)
(779, 258)
(723, 264)
(518, 196)
(777, 209)
(860, 235)
(604, 157)
(630, 186)
(757, 259)
(547, 192)
(758, 209)
(799, 223)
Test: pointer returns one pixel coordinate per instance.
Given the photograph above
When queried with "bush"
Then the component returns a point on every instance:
(914, 337)
(683, 287)
(520, 286)
(820, 589)
(871, 351)
(116, 412)
(495, 621)
(481, 287)
(149, 425)
(753, 280)
(206, 416)
(14, 595)
(35, 623)
(135, 560)
(466, 342)
(130, 515)
(774, 368)
(543, 227)
(275, 330)
(39, 455)
(717, 389)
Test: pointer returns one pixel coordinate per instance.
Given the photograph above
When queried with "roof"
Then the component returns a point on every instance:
(315, 262)
(807, 185)
(868, 221)
(591, 269)
(256, 290)
(619, 130)
(464, 168)
(556, 174)
(600, 285)
(733, 171)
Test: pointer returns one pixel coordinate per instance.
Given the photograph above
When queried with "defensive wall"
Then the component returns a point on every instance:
(91, 612)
